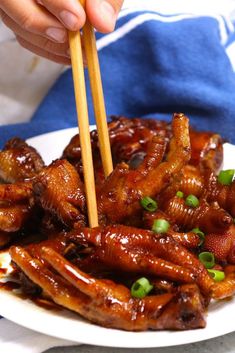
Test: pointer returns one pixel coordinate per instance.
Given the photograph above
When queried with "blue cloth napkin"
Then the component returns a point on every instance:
(154, 65)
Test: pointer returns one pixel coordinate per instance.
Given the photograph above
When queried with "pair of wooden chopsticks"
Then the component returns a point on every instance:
(89, 42)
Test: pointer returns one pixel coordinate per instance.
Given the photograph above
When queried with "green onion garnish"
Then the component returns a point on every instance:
(207, 258)
(192, 201)
(160, 226)
(141, 288)
(148, 204)
(180, 194)
(200, 234)
(225, 177)
(217, 275)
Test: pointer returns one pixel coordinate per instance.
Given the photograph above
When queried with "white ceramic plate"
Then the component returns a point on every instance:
(70, 326)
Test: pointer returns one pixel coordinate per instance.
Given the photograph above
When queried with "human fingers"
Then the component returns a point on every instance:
(33, 18)
(69, 12)
(37, 40)
(103, 13)
(44, 53)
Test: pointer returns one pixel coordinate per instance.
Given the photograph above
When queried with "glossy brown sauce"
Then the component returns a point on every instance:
(9, 286)
(46, 304)
(3, 271)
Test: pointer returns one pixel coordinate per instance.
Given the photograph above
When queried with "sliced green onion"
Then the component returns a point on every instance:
(217, 275)
(148, 204)
(200, 234)
(207, 258)
(192, 201)
(141, 288)
(225, 177)
(180, 194)
(160, 226)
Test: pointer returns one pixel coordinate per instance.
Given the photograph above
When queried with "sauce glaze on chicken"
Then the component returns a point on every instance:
(91, 271)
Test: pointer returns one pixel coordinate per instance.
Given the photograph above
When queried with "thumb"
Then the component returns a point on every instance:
(103, 13)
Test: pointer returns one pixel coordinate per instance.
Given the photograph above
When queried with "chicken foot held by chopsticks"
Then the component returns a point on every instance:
(119, 197)
(130, 137)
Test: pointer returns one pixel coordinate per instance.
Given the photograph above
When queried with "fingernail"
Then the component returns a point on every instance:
(108, 11)
(56, 34)
(69, 19)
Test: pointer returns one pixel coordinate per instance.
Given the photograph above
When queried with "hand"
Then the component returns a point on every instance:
(41, 26)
